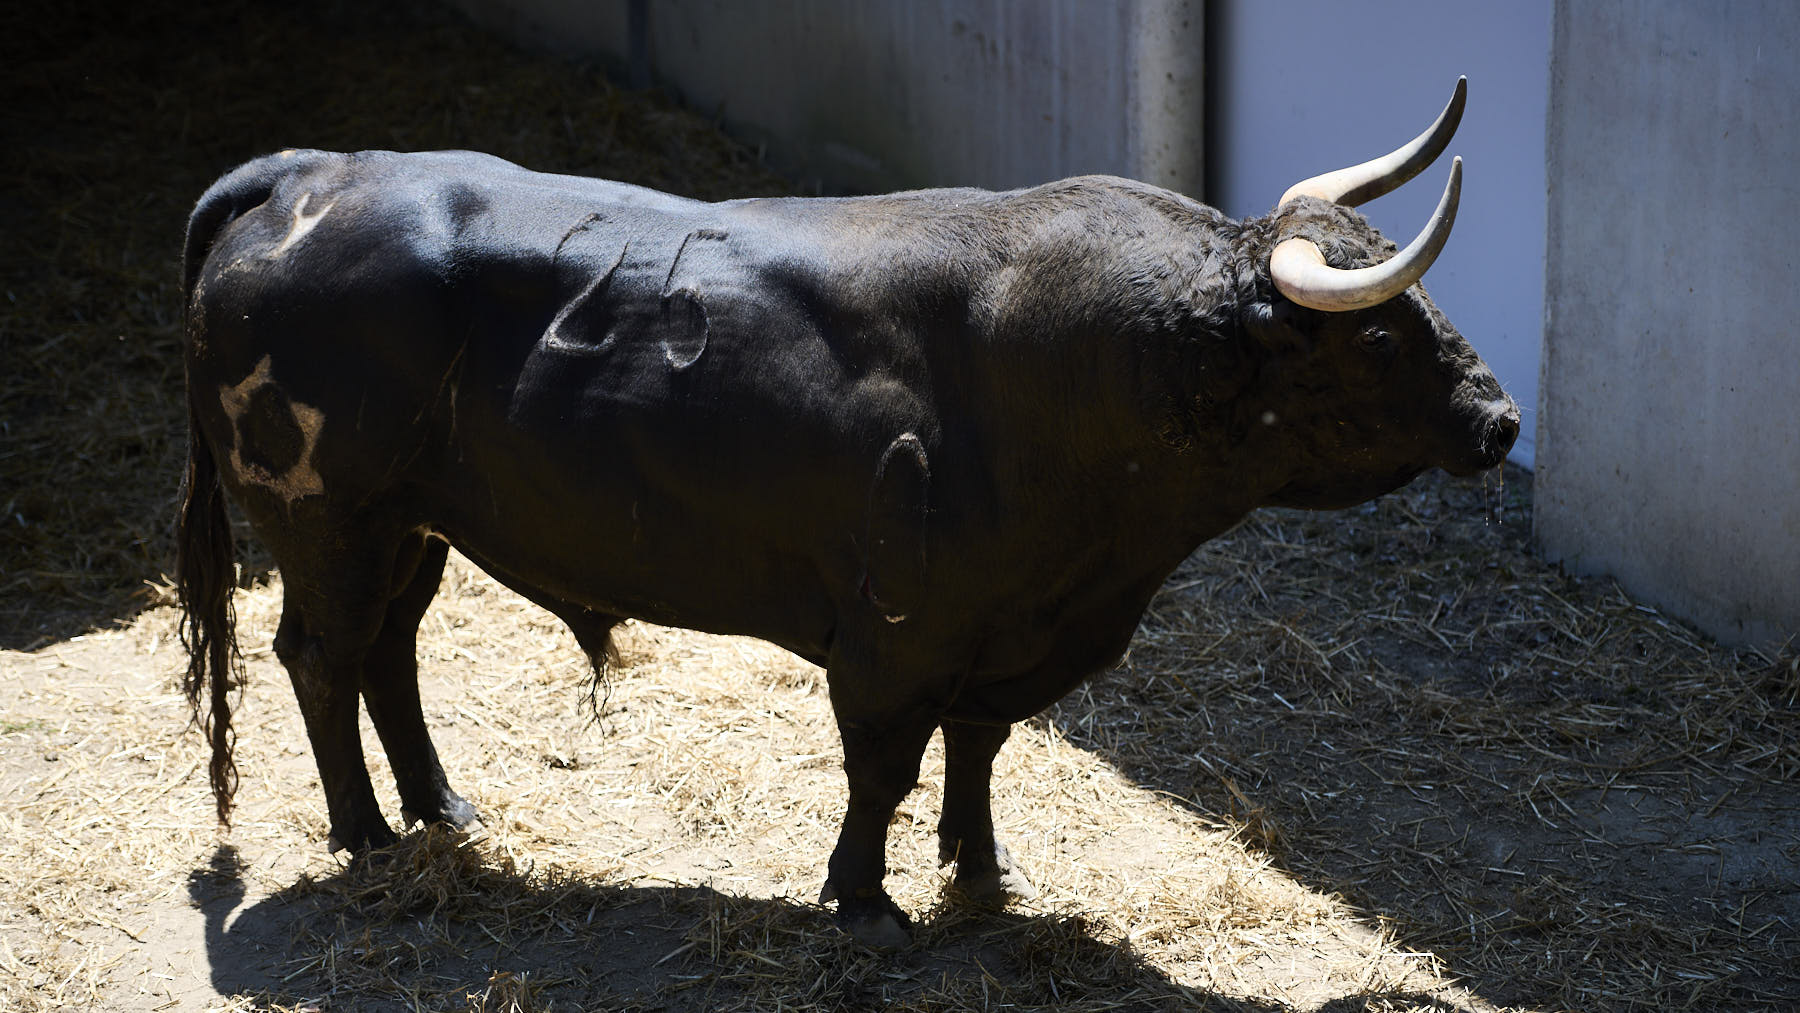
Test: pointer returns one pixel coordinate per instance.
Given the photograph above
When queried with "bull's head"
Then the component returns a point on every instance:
(1386, 386)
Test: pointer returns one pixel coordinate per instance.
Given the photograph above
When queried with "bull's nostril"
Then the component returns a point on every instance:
(1503, 430)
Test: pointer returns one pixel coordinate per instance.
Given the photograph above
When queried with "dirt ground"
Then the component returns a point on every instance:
(1382, 759)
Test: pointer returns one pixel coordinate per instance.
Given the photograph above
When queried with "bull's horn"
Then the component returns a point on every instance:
(1299, 270)
(1361, 183)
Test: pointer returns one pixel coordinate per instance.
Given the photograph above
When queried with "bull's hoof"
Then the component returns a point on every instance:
(879, 930)
(374, 838)
(992, 883)
(870, 917)
(453, 811)
(995, 887)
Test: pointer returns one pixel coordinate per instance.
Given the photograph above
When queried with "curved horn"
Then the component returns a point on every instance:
(1299, 270)
(1360, 183)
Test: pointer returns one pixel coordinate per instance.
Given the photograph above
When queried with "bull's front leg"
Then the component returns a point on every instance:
(881, 761)
(984, 870)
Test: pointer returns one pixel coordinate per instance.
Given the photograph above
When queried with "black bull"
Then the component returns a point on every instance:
(945, 444)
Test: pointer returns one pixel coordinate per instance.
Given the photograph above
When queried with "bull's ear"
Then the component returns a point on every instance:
(1277, 326)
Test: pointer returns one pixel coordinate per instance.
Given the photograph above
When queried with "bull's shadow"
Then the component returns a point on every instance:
(433, 923)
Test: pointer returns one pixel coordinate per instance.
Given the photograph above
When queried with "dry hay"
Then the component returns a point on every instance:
(666, 860)
(1374, 760)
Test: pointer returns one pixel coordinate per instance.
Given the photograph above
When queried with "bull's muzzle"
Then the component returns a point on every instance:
(1496, 429)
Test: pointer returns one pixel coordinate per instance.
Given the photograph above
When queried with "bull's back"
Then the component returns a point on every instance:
(362, 278)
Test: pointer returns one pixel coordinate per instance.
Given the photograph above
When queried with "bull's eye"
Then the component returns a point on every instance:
(1374, 339)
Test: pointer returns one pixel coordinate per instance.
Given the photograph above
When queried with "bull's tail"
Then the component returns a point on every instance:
(206, 565)
(205, 573)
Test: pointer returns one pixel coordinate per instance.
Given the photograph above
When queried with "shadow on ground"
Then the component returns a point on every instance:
(415, 925)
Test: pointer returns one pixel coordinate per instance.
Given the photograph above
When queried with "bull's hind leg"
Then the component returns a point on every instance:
(390, 690)
(353, 594)
(984, 870)
(326, 630)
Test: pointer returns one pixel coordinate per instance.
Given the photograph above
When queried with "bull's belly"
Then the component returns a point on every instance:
(585, 558)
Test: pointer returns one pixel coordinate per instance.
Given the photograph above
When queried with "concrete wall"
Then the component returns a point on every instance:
(1354, 80)
(1670, 451)
(874, 96)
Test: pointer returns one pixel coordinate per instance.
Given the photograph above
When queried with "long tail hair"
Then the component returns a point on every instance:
(206, 572)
